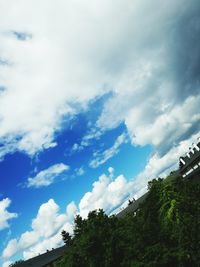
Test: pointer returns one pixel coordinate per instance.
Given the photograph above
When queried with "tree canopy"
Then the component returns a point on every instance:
(164, 231)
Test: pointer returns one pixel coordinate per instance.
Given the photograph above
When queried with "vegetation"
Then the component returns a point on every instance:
(165, 231)
(16, 263)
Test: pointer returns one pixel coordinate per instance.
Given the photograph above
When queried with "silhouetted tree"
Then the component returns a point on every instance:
(67, 239)
(16, 263)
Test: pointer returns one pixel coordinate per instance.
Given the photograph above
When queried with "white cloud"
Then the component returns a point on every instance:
(93, 134)
(50, 72)
(106, 193)
(5, 215)
(101, 158)
(48, 216)
(161, 165)
(44, 245)
(47, 177)
(71, 210)
(65, 61)
(167, 127)
(111, 171)
(77, 148)
(157, 94)
(11, 249)
(41, 238)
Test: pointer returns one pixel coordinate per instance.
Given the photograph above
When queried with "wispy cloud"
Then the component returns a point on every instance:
(48, 176)
(88, 139)
(77, 148)
(79, 171)
(101, 157)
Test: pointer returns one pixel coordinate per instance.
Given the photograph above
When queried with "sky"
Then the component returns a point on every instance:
(97, 97)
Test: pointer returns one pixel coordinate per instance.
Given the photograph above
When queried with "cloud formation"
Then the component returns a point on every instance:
(157, 95)
(47, 177)
(41, 238)
(151, 68)
(5, 215)
(107, 193)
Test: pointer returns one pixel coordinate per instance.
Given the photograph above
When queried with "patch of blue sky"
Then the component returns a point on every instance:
(18, 167)
(129, 161)
(73, 132)
(13, 168)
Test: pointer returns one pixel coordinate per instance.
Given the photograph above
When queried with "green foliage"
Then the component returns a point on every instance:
(165, 231)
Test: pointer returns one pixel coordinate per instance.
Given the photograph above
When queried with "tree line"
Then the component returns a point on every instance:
(164, 231)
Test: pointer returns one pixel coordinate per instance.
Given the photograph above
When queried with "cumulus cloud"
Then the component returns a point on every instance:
(101, 157)
(47, 211)
(43, 246)
(5, 215)
(107, 193)
(47, 177)
(41, 238)
(168, 128)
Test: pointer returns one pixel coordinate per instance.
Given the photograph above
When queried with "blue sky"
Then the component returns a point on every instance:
(96, 99)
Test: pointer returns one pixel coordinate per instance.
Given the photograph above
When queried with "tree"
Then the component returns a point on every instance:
(67, 239)
(163, 232)
(16, 263)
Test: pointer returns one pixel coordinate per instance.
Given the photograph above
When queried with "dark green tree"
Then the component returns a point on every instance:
(163, 232)
(67, 239)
